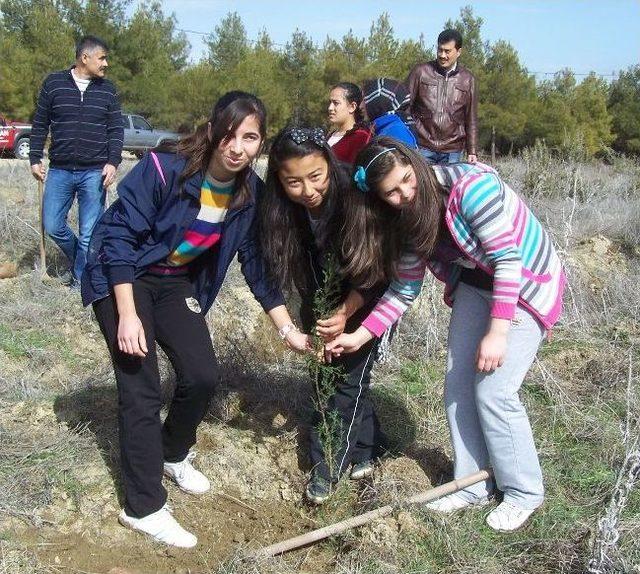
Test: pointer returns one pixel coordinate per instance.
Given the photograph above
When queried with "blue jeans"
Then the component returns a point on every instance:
(61, 187)
(437, 157)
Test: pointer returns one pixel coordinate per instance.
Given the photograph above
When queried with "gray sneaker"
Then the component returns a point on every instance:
(67, 279)
(318, 490)
(361, 470)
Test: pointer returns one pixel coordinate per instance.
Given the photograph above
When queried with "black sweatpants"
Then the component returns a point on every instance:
(358, 432)
(172, 318)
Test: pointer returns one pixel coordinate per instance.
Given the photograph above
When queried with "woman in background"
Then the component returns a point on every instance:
(349, 133)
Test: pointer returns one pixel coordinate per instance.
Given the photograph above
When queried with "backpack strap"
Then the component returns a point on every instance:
(158, 167)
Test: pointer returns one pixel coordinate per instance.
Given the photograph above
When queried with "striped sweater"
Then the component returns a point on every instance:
(498, 233)
(206, 230)
(87, 130)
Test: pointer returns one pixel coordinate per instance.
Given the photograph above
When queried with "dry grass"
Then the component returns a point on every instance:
(16, 559)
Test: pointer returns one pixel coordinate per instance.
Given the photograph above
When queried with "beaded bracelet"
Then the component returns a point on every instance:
(286, 329)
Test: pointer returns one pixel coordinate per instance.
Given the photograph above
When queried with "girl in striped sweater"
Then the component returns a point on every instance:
(504, 282)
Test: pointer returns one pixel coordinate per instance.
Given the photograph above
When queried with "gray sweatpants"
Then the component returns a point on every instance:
(488, 423)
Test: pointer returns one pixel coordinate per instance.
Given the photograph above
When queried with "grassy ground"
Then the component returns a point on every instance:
(59, 483)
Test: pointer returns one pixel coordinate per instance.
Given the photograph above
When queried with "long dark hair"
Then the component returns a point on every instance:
(376, 234)
(227, 114)
(282, 223)
(353, 95)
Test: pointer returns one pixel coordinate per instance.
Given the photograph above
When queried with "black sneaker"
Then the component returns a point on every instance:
(361, 470)
(318, 489)
(67, 279)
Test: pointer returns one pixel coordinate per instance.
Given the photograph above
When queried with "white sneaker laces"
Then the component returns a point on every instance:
(182, 466)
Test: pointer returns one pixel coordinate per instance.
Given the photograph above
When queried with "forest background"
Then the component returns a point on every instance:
(149, 63)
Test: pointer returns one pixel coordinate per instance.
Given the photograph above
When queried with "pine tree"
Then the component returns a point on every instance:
(325, 376)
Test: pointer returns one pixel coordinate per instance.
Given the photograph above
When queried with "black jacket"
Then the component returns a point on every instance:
(87, 130)
(313, 277)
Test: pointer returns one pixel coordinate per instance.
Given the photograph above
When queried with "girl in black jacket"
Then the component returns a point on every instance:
(300, 219)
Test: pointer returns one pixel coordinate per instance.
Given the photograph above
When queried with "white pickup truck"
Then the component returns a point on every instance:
(140, 135)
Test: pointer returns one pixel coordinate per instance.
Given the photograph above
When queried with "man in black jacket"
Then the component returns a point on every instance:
(82, 110)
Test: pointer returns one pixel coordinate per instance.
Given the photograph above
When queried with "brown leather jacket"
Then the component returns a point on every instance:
(444, 108)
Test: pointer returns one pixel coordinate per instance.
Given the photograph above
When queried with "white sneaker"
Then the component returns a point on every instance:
(161, 526)
(454, 502)
(507, 517)
(186, 477)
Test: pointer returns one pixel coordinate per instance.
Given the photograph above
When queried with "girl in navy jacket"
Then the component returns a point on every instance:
(156, 262)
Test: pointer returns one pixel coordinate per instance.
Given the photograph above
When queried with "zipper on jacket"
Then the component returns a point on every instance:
(75, 140)
(441, 110)
(235, 212)
(79, 124)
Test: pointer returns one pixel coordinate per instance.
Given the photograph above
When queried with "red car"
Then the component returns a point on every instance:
(14, 137)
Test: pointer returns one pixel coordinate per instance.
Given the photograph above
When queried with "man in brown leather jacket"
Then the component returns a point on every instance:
(444, 104)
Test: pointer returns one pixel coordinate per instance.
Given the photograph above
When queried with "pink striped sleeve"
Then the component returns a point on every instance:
(399, 295)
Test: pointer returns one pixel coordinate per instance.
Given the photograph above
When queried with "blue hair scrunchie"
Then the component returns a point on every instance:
(360, 177)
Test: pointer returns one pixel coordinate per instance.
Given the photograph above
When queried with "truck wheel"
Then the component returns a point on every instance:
(21, 148)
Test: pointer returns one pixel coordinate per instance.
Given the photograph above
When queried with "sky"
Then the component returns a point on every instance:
(583, 35)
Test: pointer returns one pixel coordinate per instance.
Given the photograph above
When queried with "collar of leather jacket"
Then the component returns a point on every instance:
(438, 68)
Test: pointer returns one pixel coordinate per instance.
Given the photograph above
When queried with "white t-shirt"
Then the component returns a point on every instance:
(334, 139)
(81, 83)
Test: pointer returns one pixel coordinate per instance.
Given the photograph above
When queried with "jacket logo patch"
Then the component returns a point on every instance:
(193, 304)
